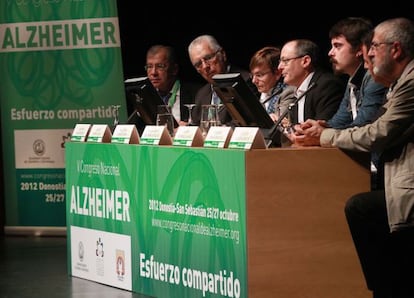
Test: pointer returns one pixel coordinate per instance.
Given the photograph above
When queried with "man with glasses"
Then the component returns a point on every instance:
(299, 65)
(162, 70)
(209, 58)
(381, 222)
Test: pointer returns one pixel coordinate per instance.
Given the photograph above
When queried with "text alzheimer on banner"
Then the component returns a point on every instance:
(60, 35)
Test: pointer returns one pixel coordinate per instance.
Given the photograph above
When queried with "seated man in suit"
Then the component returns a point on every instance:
(299, 64)
(209, 58)
(162, 69)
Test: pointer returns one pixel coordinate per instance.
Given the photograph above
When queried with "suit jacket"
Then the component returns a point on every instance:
(281, 105)
(286, 98)
(204, 95)
(322, 101)
(188, 91)
(393, 135)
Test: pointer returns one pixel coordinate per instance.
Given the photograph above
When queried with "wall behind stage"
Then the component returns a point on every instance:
(241, 29)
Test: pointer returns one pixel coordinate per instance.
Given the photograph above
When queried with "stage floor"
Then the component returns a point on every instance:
(36, 266)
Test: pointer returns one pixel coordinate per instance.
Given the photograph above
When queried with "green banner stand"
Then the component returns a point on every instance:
(60, 64)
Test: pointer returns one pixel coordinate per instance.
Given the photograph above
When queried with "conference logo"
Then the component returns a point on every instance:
(99, 248)
(81, 251)
(100, 264)
(120, 264)
(39, 147)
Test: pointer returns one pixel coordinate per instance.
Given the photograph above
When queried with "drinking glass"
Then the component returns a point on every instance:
(165, 118)
(115, 112)
(190, 107)
(209, 117)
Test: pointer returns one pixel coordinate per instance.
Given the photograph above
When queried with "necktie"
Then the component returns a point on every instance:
(271, 107)
(166, 97)
(215, 98)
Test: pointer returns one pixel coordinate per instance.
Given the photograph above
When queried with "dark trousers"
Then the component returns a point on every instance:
(387, 259)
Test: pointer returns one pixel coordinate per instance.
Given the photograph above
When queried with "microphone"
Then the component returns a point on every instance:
(295, 102)
(285, 112)
(276, 92)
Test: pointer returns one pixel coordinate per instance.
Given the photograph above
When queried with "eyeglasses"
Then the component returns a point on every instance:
(376, 45)
(157, 66)
(285, 61)
(259, 75)
(207, 59)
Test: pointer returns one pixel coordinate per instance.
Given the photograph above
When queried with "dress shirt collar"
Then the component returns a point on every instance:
(304, 86)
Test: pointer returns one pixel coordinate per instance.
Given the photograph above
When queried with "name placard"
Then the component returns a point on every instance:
(80, 132)
(247, 138)
(188, 136)
(99, 133)
(155, 135)
(125, 134)
(218, 137)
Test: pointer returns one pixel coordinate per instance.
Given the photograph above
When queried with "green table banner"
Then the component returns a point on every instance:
(158, 220)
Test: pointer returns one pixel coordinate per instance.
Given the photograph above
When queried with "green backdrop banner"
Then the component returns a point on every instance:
(162, 221)
(60, 64)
